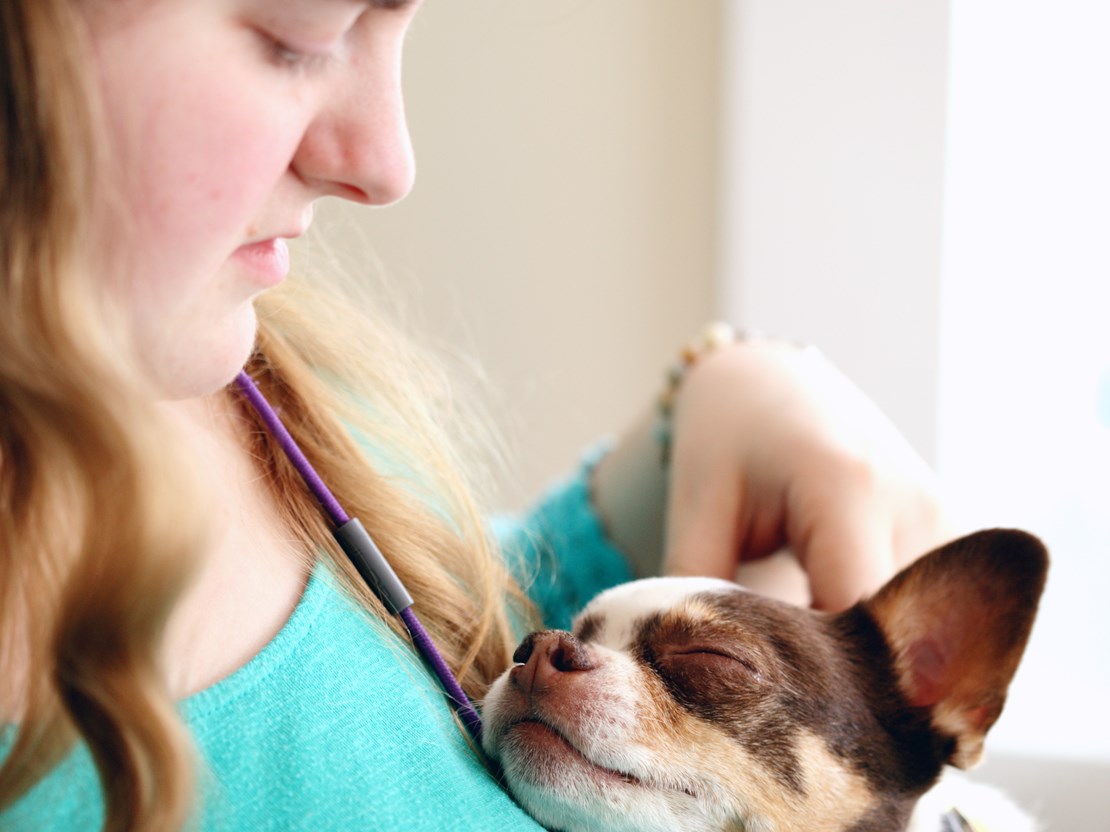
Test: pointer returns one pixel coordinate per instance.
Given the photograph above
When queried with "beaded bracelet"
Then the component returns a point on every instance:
(712, 337)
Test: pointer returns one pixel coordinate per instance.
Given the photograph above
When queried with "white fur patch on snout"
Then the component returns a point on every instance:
(596, 709)
(622, 607)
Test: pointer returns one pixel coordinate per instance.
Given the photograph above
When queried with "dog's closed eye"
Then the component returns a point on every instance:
(712, 659)
(695, 664)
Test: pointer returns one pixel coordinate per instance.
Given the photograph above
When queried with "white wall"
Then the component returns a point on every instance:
(1024, 422)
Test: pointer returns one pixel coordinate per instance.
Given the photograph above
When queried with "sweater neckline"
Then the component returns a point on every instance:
(273, 655)
(314, 600)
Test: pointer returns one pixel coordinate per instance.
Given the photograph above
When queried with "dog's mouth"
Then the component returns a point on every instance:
(541, 736)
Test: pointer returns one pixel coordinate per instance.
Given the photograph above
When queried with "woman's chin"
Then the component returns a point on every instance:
(204, 362)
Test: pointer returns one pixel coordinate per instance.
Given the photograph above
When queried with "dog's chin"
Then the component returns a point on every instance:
(564, 789)
(548, 759)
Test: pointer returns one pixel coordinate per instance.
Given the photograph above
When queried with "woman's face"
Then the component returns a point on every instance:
(227, 119)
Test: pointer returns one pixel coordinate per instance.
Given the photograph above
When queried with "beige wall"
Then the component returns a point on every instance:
(562, 224)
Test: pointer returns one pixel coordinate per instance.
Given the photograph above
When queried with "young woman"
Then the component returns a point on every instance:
(182, 644)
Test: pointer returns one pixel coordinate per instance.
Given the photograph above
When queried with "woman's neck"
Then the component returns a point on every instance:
(254, 572)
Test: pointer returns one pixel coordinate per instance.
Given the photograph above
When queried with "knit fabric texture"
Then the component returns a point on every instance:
(336, 724)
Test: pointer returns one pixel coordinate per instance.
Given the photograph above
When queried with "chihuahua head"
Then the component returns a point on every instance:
(693, 704)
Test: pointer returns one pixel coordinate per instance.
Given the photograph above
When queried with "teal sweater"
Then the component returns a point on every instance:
(336, 725)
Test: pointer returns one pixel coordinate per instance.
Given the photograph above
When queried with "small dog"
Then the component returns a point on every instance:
(692, 704)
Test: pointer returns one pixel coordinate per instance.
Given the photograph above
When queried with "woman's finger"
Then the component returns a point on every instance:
(842, 535)
(702, 534)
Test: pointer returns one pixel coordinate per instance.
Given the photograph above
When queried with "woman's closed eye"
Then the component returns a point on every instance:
(303, 35)
(288, 56)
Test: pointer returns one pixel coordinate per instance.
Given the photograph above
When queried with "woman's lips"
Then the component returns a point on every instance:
(268, 260)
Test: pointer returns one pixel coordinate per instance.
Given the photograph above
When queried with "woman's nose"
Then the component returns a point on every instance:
(357, 147)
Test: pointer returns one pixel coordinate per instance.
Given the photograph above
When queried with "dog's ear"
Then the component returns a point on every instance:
(957, 621)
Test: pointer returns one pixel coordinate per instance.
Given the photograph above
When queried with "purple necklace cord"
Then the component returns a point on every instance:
(292, 449)
(339, 519)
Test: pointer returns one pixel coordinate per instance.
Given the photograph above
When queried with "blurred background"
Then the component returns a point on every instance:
(922, 189)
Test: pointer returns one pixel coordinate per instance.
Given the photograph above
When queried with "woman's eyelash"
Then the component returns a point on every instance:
(289, 57)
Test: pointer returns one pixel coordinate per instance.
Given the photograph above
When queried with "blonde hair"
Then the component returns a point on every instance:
(101, 516)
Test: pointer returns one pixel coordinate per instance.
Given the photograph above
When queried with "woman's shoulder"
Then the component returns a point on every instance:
(334, 725)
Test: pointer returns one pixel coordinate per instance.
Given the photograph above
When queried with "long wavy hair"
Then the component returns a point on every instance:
(101, 515)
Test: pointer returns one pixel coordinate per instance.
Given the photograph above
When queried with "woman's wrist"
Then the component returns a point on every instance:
(628, 487)
(628, 491)
(712, 337)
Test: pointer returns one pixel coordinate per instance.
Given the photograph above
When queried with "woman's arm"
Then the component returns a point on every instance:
(772, 448)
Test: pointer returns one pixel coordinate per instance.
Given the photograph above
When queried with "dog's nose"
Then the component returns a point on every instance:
(543, 656)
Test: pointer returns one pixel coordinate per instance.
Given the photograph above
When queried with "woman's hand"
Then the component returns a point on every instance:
(773, 447)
